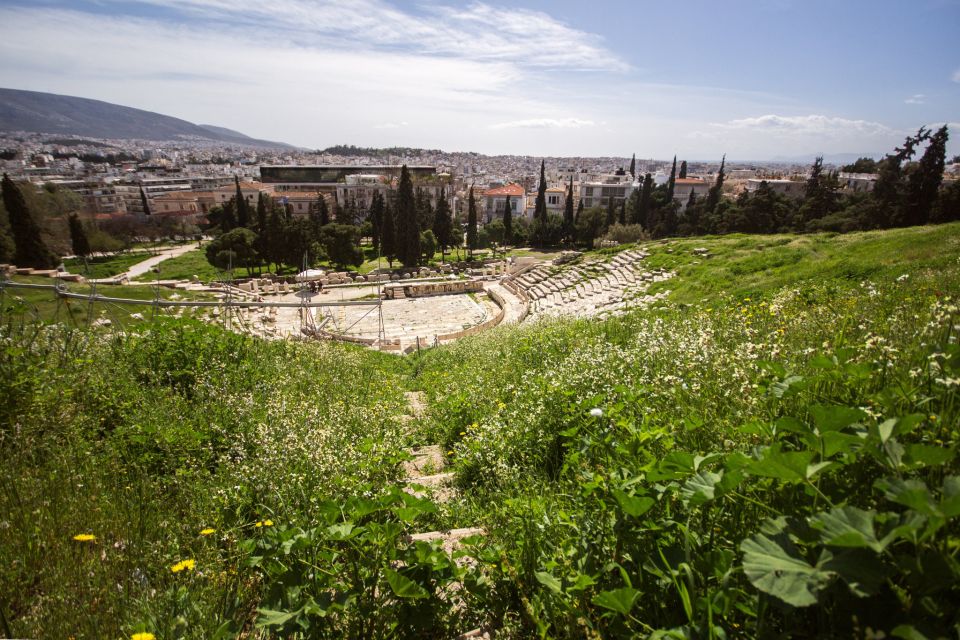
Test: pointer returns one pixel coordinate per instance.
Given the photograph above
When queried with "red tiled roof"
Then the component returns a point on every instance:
(689, 181)
(512, 189)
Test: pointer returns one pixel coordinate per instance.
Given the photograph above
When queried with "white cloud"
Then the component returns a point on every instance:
(391, 125)
(917, 98)
(478, 31)
(544, 123)
(810, 125)
(956, 75)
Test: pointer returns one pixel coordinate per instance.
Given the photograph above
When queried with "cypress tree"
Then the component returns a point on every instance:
(443, 224)
(472, 234)
(540, 209)
(376, 217)
(507, 221)
(388, 239)
(683, 170)
(672, 181)
(262, 213)
(611, 213)
(243, 213)
(623, 211)
(576, 218)
(274, 243)
(144, 202)
(323, 211)
(229, 220)
(633, 166)
(407, 227)
(713, 196)
(78, 237)
(30, 249)
(643, 204)
(568, 218)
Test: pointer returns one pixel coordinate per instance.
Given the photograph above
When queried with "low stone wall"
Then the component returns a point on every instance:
(424, 289)
(489, 324)
(518, 291)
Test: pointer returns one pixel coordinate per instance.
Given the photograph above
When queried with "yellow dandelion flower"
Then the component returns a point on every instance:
(143, 635)
(264, 523)
(207, 531)
(85, 537)
(188, 565)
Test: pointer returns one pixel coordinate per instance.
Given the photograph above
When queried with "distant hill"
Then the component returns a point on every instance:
(40, 112)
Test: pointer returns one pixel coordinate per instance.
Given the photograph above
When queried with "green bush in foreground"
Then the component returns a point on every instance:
(781, 465)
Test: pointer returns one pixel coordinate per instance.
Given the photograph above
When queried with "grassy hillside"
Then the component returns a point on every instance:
(771, 454)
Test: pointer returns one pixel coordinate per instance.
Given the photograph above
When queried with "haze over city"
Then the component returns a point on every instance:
(776, 80)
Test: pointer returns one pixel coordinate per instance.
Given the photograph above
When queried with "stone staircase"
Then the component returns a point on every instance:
(425, 477)
(591, 288)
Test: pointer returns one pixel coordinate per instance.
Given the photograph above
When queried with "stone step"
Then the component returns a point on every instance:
(450, 540)
(425, 458)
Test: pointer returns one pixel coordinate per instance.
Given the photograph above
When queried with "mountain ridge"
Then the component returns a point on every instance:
(42, 112)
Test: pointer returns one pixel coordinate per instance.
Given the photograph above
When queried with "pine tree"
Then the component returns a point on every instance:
(78, 237)
(923, 184)
(540, 209)
(443, 224)
(243, 213)
(31, 251)
(672, 181)
(713, 196)
(407, 226)
(568, 218)
(889, 190)
(820, 198)
(472, 232)
(144, 202)
(683, 170)
(508, 221)
(633, 166)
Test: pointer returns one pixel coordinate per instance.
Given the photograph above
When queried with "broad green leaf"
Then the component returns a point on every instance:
(817, 467)
(270, 618)
(788, 385)
(950, 496)
(790, 466)
(342, 531)
(908, 632)
(910, 493)
(835, 442)
(634, 506)
(404, 587)
(549, 581)
(784, 575)
(619, 600)
(700, 488)
(927, 455)
(834, 417)
(862, 570)
(847, 527)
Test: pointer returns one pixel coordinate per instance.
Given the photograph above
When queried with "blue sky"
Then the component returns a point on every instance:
(755, 80)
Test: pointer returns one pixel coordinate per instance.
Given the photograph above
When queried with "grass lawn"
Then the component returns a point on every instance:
(105, 266)
(184, 267)
(40, 304)
(749, 265)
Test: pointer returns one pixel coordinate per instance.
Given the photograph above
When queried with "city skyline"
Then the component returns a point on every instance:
(777, 80)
